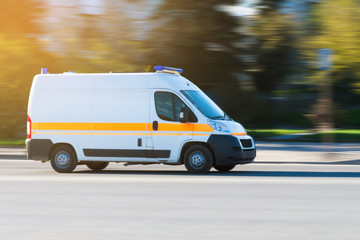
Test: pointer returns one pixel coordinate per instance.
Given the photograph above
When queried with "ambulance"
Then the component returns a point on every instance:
(133, 118)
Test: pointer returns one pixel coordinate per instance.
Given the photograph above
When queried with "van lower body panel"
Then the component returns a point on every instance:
(127, 153)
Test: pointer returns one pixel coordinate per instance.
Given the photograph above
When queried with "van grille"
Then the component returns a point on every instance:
(246, 142)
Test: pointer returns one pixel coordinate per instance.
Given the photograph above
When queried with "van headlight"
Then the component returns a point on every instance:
(218, 126)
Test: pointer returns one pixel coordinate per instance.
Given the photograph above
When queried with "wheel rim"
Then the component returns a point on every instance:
(197, 160)
(62, 159)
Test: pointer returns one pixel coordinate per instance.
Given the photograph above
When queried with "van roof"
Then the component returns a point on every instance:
(115, 80)
(159, 69)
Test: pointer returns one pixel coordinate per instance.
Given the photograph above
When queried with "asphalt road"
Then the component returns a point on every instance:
(264, 200)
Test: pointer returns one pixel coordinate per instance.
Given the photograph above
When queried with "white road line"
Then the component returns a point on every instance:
(183, 179)
(260, 162)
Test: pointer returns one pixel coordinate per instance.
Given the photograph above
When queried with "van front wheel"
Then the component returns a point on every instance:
(198, 159)
(63, 159)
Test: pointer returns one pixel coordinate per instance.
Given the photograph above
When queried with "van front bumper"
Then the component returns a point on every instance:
(229, 150)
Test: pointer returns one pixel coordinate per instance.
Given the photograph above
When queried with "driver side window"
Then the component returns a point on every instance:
(168, 106)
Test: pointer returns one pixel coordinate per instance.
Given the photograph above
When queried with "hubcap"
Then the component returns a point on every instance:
(197, 160)
(62, 159)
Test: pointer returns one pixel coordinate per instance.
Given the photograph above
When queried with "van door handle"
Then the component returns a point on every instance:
(155, 125)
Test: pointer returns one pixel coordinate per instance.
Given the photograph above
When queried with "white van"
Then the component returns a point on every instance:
(136, 118)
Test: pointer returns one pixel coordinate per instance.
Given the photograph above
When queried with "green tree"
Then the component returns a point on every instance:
(335, 24)
(275, 50)
(196, 36)
(107, 41)
(21, 58)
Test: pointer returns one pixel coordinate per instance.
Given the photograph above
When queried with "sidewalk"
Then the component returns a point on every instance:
(12, 153)
(290, 136)
(308, 153)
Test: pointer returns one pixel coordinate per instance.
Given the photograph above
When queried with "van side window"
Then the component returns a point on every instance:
(168, 106)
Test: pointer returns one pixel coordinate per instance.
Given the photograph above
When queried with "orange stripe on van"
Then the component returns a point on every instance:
(63, 126)
(201, 127)
(119, 126)
(166, 127)
(121, 134)
(175, 127)
(62, 133)
(239, 134)
(34, 126)
(180, 127)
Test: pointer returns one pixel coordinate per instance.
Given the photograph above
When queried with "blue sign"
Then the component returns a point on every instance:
(325, 59)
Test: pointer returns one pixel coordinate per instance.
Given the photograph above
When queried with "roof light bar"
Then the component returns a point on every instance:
(168, 69)
(44, 71)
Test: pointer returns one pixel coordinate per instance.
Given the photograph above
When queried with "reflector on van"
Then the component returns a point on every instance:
(165, 69)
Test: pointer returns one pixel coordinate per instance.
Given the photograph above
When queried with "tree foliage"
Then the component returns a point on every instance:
(196, 36)
(275, 48)
(210, 45)
(21, 60)
(105, 42)
(21, 57)
(335, 24)
(18, 17)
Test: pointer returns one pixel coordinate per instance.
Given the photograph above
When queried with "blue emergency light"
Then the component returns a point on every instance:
(44, 71)
(162, 68)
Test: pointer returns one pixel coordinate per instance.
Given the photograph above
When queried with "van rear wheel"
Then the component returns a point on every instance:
(63, 159)
(97, 166)
(198, 159)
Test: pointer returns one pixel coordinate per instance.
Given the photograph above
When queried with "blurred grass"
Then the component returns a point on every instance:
(262, 134)
(340, 135)
(12, 142)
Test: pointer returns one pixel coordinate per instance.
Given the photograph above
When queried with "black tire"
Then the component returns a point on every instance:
(224, 168)
(63, 159)
(198, 159)
(97, 166)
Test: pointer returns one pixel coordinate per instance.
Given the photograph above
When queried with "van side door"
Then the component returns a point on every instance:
(168, 134)
(119, 124)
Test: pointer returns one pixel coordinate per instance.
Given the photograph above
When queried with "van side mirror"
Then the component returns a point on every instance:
(184, 115)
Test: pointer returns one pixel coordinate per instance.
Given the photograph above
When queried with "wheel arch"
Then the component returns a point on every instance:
(187, 145)
(54, 146)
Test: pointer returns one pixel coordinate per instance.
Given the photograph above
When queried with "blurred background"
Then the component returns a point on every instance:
(258, 59)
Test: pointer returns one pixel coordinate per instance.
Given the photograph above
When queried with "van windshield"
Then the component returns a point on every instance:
(205, 105)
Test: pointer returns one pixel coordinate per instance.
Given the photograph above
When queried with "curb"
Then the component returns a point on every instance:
(13, 157)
